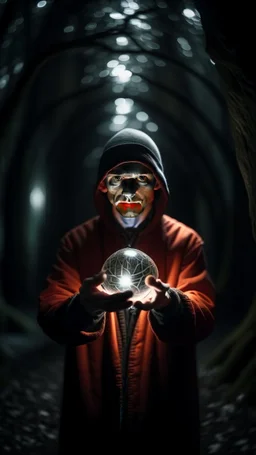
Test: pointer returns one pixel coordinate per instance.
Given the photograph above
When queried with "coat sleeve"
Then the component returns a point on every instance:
(189, 317)
(60, 314)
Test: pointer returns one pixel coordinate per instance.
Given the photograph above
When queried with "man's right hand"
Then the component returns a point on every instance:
(96, 301)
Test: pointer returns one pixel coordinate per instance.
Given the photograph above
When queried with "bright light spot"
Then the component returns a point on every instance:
(128, 11)
(37, 198)
(125, 281)
(212, 61)
(189, 13)
(4, 81)
(118, 70)
(145, 26)
(124, 58)
(130, 253)
(121, 41)
(112, 63)
(125, 76)
(152, 127)
(117, 16)
(41, 4)
(69, 29)
(135, 21)
(121, 73)
(18, 67)
(184, 44)
(142, 116)
(119, 119)
(124, 105)
(132, 5)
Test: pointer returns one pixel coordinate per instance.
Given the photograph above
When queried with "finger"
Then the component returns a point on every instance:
(143, 306)
(116, 306)
(157, 284)
(95, 280)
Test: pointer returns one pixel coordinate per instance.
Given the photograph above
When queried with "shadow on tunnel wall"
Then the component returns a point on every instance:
(149, 78)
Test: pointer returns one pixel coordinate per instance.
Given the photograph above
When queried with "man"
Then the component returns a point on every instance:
(130, 366)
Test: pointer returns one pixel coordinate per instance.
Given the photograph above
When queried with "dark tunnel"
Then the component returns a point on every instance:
(71, 75)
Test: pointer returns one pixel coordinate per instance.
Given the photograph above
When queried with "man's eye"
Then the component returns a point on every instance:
(114, 180)
(142, 179)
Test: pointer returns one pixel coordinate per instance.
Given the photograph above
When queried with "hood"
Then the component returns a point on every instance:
(131, 145)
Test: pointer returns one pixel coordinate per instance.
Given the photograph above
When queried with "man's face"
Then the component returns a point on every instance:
(130, 189)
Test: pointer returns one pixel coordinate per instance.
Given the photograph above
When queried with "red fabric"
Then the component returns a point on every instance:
(162, 379)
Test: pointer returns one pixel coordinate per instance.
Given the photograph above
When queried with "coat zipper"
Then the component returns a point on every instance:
(130, 317)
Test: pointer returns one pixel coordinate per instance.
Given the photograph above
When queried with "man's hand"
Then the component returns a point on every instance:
(97, 301)
(159, 298)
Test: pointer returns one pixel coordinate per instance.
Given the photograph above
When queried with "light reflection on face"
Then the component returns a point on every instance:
(130, 190)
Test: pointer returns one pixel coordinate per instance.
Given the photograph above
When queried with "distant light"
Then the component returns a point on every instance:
(90, 26)
(125, 76)
(145, 26)
(184, 44)
(18, 67)
(135, 21)
(86, 79)
(117, 88)
(124, 58)
(118, 70)
(136, 78)
(212, 61)
(37, 198)
(41, 4)
(104, 73)
(121, 73)
(159, 62)
(152, 127)
(112, 63)
(119, 119)
(132, 5)
(117, 16)
(125, 280)
(124, 105)
(4, 80)
(69, 29)
(142, 116)
(189, 13)
(128, 11)
(122, 41)
(142, 58)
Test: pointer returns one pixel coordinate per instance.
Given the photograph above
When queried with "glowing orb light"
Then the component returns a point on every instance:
(126, 269)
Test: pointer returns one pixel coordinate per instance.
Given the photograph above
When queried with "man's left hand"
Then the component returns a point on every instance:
(158, 298)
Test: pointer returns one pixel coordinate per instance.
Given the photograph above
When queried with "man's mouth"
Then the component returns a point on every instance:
(126, 206)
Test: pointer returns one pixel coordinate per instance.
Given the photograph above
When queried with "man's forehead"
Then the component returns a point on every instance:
(131, 167)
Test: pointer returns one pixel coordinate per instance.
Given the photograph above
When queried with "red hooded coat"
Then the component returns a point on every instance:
(131, 372)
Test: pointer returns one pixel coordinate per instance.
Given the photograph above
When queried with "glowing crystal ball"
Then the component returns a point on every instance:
(127, 269)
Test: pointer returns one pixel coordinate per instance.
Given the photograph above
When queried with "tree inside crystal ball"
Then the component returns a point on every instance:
(126, 269)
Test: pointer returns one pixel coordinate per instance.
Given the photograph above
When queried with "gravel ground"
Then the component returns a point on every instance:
(29, 403)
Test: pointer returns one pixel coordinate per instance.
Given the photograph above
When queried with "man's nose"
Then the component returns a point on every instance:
(129, 186)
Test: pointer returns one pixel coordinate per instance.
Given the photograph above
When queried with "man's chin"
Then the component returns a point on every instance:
(129, 213)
